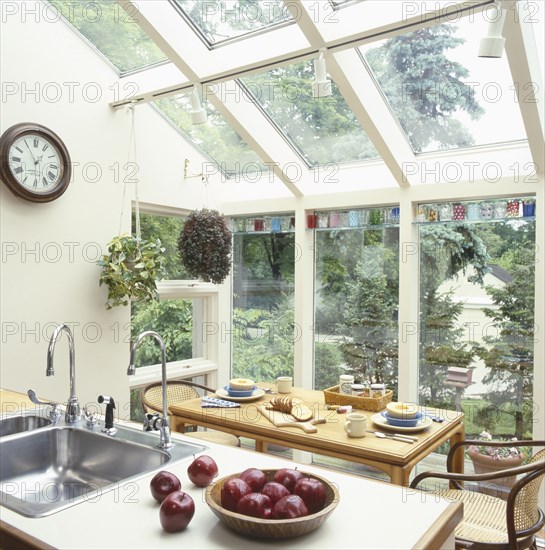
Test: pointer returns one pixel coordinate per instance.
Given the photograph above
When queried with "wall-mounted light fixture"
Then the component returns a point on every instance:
(322, 84)
(198, 114)
(493, 43)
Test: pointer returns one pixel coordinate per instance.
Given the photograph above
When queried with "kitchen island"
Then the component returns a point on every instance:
(370, 515)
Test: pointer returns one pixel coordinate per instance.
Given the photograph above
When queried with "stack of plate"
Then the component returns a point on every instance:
(402, 415)
(240, 387)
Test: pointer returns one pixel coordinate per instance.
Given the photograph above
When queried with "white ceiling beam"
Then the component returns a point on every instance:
(242, 113)
(361, 94)
(521, 50)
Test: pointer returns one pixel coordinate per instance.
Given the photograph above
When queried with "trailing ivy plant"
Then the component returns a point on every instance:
(205, 246)
(130, 270)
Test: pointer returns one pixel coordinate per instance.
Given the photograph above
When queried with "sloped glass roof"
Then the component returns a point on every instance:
(113, 32)
(323, 131)
(406, 80)
(443, 95)
(215, 138)
(218, 21)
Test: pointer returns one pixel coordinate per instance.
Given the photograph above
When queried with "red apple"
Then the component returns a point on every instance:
(232, 491)
(256, 505)
(255, 478)
(289, 507)
(313, 493)
(275, 491)
(162, 484)
(176, 511)
(288, 477)
(202, 470)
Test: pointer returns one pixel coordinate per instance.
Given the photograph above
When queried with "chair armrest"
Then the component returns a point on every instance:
(478, 477)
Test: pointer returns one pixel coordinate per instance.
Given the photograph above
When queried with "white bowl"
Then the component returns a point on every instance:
(405, 411)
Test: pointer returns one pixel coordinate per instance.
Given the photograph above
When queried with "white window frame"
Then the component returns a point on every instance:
(206, 364)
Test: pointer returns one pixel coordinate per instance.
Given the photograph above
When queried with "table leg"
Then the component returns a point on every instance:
(260, 446)
(400, 476)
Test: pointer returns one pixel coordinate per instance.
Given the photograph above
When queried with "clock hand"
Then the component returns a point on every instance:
(31, 154)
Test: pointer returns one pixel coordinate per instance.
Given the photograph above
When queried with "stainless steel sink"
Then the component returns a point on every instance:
(22, 423)
(46, 470)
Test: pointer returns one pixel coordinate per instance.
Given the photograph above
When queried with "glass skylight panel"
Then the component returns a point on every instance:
(112, 31)
(216, 138)
(218, 21)
(323, 131)
(442, 93)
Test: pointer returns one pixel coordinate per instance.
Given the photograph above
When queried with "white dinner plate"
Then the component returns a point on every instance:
(258, 392)
(423, 424)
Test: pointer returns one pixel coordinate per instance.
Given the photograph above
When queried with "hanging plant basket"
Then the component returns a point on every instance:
(205, 246)
(130, 270)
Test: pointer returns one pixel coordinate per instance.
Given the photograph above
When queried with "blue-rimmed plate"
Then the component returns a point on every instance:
(422, 424)
(256, 394)
(238, 393)
(402, 422)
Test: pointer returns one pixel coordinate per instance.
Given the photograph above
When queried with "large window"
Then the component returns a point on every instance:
(356, 296)
(477, 312)
(263, 325)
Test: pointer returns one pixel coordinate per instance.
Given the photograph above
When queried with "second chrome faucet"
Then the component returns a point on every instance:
(161, 424)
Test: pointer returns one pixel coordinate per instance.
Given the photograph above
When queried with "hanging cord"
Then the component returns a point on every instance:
(132, 142)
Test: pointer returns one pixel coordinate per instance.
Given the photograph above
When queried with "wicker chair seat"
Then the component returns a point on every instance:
(484, 516)
(179, 391)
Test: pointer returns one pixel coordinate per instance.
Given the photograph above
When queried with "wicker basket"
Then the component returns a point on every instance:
(333, 397)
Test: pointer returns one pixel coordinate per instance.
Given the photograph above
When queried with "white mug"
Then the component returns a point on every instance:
(355, 425)
(284, 384)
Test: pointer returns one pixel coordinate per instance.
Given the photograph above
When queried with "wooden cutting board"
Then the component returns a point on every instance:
(285, 420)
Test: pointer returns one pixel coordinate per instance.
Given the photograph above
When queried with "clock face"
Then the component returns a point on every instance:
(35, 163)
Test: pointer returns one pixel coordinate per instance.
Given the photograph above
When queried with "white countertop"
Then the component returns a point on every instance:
(370, 515)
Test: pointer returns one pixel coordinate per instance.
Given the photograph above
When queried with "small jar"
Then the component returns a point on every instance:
(459, 212)
(345, 384)
(500, 209)
(473, 211)
(378, 390)
(357, 389)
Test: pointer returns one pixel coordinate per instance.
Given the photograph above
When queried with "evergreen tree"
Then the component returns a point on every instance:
(510, 355)
(424, 87)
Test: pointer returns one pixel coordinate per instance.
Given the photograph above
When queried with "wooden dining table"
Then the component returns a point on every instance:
(395, 458)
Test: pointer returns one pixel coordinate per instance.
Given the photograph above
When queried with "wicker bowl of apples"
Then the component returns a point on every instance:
(272, 504)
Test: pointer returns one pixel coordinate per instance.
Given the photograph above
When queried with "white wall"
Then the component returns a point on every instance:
(48, 271)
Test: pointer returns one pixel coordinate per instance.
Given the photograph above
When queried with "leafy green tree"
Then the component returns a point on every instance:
(172, 319)
(510, 354)
(263, 343)
(167, 229)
